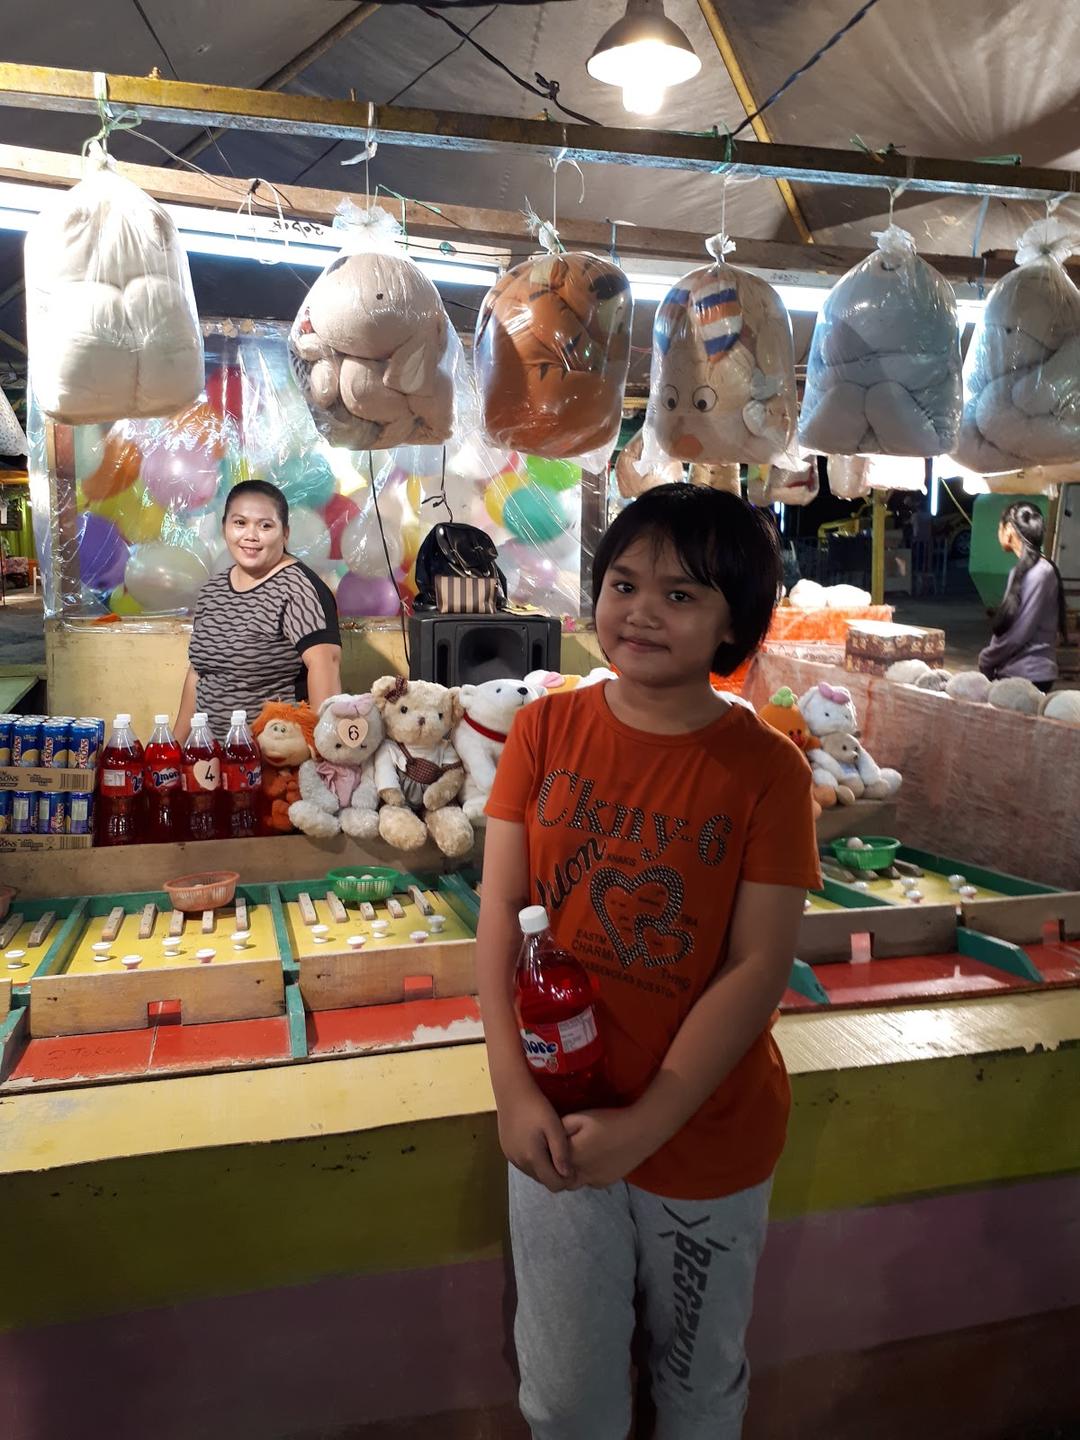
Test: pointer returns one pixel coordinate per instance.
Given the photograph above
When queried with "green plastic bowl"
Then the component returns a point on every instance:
(879, 852)
(364, 883)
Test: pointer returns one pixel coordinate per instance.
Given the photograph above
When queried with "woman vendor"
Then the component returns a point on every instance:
(1032, 615)
(266, 628)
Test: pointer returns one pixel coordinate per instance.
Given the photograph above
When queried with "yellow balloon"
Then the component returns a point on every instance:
(138, 518)
(499, 491)
(121, 603)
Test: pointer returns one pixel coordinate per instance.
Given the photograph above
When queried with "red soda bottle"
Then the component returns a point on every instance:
(118, 812)
(161, 772)
(554, 1000)
(201, 770)
(241, 779)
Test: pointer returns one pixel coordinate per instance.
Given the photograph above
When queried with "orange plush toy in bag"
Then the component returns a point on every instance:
(552, 355)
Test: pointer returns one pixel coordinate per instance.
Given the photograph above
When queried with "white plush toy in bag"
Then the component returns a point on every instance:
(883, 375)
(723, 370)
(112, 328)
(1022, 376)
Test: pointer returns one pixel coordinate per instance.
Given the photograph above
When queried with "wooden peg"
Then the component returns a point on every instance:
(307, 908)
(336, 908)
(176, 923)
(423, 904)
(242, 921)
(115, 918)
(367, 911)
(10, 928)
(147, 921)
(395, 909)
(209, 920)
(41, 929)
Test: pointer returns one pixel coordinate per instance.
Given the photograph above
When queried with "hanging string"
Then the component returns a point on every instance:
(441, 498)
(108, 120)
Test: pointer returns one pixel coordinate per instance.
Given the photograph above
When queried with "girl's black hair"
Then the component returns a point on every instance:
(721, 541)
(1030, 524)
(267, 491)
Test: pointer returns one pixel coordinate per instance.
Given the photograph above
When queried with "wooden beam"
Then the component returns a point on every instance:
(737, 76)
(39, 87)
(467, 224)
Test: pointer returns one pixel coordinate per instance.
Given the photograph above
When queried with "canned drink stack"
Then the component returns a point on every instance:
(23, 812)
(52, 812)
(85, 737)
(26, 740)
(6, 722)
(80, 813)
(54, 742)
(5, 812)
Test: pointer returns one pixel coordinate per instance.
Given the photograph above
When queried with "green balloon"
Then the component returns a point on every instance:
(553, 474)
(532, 516)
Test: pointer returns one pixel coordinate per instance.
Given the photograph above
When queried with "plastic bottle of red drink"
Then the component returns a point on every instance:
(554, 999)
(201, 768)
(162, 762)
(241, 779)
(118, 816)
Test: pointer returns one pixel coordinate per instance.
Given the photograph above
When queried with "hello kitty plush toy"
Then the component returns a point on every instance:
(830, 710)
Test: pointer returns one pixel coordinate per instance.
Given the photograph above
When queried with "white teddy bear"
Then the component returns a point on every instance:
(489, 711)
(830, 710)
(337, 788)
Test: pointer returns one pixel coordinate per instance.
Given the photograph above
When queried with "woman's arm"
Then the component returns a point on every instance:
(531, 1134)
(607, 1144)
(323, 673)
(182, 728)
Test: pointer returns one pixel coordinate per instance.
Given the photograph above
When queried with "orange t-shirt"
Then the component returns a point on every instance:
(636, 845)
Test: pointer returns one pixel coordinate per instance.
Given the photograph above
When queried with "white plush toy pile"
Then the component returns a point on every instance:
(1022, 377)
(809, 595)
(840, 764)
(112, 327)
(883, 375)
(1010, 693)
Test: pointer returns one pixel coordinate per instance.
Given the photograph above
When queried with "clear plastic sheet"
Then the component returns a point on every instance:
(1022, 376)
(629, 478)
(883, 376)
(776, 485)
(373, 350)
(112, 328)
(552, 355)
(723, 371)
(133, 511)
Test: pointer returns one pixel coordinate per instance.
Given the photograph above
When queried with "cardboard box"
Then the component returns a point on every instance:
(873, 645)
(11, 843)
(43, 777)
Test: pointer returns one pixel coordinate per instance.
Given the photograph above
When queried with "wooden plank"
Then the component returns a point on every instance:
(421, 901)
(147, 921)
(85, 1004)
(395, 909)
(242, 920)
(9, 929)
(893, 930)
(115, 918)
(5, 995)
(337, 910)
(306, 907)
(377, 976)
(176, 923)
(13, 1030)
(209, 922)
(41, 929)
(1022, 919)
(367, 911)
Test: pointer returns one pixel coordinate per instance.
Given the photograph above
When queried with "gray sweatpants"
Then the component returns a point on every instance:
(580, 1259)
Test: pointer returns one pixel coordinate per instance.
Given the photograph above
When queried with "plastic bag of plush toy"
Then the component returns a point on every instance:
(778, 485)
(112, 328)
(883, 377)
(1022, 374)
(848, 476)
(372, 348)
(722, 388)
(552, 355)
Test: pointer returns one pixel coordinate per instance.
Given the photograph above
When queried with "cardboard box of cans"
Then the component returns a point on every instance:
(47, 771)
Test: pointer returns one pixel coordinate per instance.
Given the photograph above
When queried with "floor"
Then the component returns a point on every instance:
(22, 629)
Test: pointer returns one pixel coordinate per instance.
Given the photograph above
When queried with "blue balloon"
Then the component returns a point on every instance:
(305, 480)
(103, 553)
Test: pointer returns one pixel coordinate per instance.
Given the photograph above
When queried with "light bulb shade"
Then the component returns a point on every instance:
(644, 46)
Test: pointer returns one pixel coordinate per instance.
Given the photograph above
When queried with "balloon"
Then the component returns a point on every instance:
(532, 516)
(331, 575)
(103, 553)
(181, 479)
(361, 595)
(309, 539)
(225, 392)
(121, 461)
(121, 603)
(553, 474)
(362, 546)
(339, 512)
(89, 442)
(134, 514)
(164, 577)
(305, 479)
(498, 492)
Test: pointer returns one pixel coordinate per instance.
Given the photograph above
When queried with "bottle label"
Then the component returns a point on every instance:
(163, 777)
(563, 1048)
(236, 776)
(202, 774)
(122, 782)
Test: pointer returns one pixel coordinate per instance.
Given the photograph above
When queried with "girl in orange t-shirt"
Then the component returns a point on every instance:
(669, 834)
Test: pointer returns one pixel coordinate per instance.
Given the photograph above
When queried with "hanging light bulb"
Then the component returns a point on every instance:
(644, 53)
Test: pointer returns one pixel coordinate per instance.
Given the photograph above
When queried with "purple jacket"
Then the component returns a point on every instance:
(1028, 649)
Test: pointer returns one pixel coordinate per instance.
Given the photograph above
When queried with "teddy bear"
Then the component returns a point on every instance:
(418, 772)
(830, 710)
(337, 786)
(489, 709)
(285, 735)
(370, 352)
(723, 372)
(839, 753)
(552, 355)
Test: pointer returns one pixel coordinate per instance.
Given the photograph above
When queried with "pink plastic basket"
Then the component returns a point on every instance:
(208, 891)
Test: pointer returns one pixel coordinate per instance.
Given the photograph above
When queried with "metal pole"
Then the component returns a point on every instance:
(877, 550)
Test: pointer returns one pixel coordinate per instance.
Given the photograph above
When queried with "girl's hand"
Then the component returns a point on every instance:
(532, 1137)
(605, 1145)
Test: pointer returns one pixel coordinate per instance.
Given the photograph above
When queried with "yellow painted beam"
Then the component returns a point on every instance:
(877, 548)
(737, 75)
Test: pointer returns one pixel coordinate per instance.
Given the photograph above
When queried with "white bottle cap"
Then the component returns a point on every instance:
(199, 718)
(121, 721)
(239, 717)
(161, 719)
(533, 920)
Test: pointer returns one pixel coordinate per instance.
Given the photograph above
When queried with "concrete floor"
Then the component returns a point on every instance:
(22, 631)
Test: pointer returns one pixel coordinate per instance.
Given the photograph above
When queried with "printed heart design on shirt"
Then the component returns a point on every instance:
(637, 914)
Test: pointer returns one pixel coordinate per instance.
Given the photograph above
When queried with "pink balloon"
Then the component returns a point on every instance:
(361, 595)
(180, 479)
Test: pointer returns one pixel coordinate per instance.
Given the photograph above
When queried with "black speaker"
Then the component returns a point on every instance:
(468, 649)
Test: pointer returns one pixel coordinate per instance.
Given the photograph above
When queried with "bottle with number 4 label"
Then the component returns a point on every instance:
(555, 1002)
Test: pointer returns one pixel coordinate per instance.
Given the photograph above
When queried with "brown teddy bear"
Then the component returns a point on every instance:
(418, 773)
(285, 735)
(552, 355)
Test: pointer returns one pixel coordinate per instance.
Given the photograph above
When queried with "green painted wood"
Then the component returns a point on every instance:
(461, 898)
(67, 937)
(804, 982)
(848, 896)
(11, 1033)
(12, 689)
(289, 962)
(999, 953)
(297, 1020)
(997, 880)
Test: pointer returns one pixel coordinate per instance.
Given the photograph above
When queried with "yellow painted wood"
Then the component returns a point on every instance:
(262, 945)
(5, 997)
(18, 970)
(877, 550)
